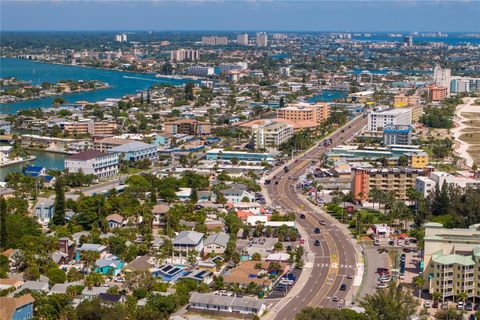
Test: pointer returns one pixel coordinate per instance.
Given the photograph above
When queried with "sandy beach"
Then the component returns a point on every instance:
(466, 131)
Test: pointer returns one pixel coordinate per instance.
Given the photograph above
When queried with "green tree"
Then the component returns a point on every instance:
(56, 275)
(310, 313)
(3, 224)
(59, 205)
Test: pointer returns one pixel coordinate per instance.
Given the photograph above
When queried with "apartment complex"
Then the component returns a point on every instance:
(121, 37)
(101, 165)
(380, 119)
(214, 41)
(105, 144)
(136, 151)
(442, 77)
(184, 54)
(395, 180)
(91, 127)
(425, 185)
(437, 93)
(200, 71)
(242, 39)
(318, 112)
(262, 39)
(397, 134)
(452, 260)
(271, 134)
(464, 84)
(187, 126)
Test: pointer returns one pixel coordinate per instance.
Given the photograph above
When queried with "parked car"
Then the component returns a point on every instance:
(382, 285)
(426, 304)
(317, 243)
(302, 216)
(286, 282)
(376, 242)
(335, 299)
(349, 276)
(469, 306)
(460, 305)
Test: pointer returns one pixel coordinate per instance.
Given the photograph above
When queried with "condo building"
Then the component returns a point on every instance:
(214, 41)
(187, 126)
(242, 39)
(437, 93)
(425, 185)
(318, 112)
(184, 54)
(101, 165)
(262, 39)
(91, 127)
(378, 120)
(271, 134)
(442, 77)
(451, 260)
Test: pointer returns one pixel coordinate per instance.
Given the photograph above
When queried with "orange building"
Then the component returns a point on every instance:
(91, 127)
(437, 93)
(318, 112)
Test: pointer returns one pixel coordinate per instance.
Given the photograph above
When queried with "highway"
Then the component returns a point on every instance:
(336, 256)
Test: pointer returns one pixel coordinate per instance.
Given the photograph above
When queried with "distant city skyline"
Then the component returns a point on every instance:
(229, 15)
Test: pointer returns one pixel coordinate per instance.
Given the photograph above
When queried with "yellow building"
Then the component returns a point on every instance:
(418, 160)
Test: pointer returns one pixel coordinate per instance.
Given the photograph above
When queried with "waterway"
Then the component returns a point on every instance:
(121, 83)
(450, 40)
(48, 160)
(328, 96)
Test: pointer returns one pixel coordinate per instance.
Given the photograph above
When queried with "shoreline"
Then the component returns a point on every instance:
(5, 165)
(461, 147)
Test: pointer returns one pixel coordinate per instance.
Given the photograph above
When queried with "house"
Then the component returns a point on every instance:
(39, 173)
(109, 298)
(216, 243)
(101, 249)
(108, 267)
(5, 127)
(61, 288)
(136, 151)
(7, 283)
(101, 165)
(188, 240)
(159, 211)
(20, 308)
(225, 306)
(66, 250)
(168, 273)
(184, 194)
(32, 286)
(115, 220)
(15, 258)
(236, 193)
(206, 196)
(199, 276)
(140, 264)
(93, 292)
(44, 209)
(263, 246)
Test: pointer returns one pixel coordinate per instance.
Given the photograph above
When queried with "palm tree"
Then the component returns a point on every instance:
(419, 282)
(436, 296)
(462, 296)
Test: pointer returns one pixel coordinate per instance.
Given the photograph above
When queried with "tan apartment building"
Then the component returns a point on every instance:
(395, 180)
(105, 144)
(451, 260)
(187, 126)
(318, 112)
(270, 134)
(91, 127)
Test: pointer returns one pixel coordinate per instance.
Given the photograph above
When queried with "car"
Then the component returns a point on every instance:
(406, 250)
(382, 270)
(376, 242)
(460, 305)
(302, 216)
(349, 276)
(316, 230)
(382, 285)
(286, 282)
(289, 248)
(426, 304)
(472, 317)
(385, 279)
(276, 182)
(316, 243)
(469, 306)
(335, 299)
(435, 304)
(343, 287)
(391, 243)
(289, 177)
(322, 222)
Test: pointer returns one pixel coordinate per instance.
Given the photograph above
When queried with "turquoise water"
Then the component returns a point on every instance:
(328, 96)
(48, 160)
(121, 83)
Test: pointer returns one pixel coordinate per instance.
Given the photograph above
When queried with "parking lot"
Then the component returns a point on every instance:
(280, 290)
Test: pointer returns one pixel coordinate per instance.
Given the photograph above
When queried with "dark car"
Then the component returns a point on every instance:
(276, 182)
(435, 304)
(469, 306)
(316, 230)
(302, 216)
(343, 287)
(316, 243)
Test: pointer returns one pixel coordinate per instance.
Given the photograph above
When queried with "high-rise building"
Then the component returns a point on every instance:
(121, 37)
(185, 54)
(437, 93)
(271, 134)
(397, 134)
(318, 112)
(408, 41)
(200, 71)
(442, 77)
(380, 119)
(262, 39)
(214, 41)
(464, 84)
(242, 39)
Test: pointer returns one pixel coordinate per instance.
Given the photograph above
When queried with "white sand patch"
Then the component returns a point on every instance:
(461, 147)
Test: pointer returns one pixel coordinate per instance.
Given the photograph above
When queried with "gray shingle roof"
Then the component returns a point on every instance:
(211, 299)
(188, 238)
(219, 238)
(132, 147)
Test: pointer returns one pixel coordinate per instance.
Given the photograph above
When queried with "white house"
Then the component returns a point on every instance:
(216, 243)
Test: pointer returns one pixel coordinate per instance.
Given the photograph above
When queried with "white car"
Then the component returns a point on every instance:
(384, 279)
(286, 282)
(382, 285)
(426, 304)
(460, 305)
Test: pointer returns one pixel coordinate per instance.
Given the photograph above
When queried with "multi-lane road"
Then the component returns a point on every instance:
(336, 257)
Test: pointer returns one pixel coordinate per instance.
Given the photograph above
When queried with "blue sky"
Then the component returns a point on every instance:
(266, 15)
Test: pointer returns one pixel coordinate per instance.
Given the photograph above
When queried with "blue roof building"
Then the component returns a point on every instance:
(168, 273)
(135, 151)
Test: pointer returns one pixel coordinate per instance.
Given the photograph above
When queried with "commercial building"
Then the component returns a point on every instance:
(214, 41)
(101, 165)
(378, 120)
(242, 39)
(451, 260)
(226, 306)
(442, 77)
(91, 127)
(184, 54)
(318, 112)
(397, 134)
(270, 134)
(262, 39)
(394, 180)
(425, 185)
(221, 154)
(105, 144)
(200, 71)
(437, 93)
(136, 151)
(187, 126)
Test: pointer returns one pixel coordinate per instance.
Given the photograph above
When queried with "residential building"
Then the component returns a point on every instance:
(67, 248)
(237, 193)
(44, 209)
(425, 185)
(318, 112)
(100, 249)
(216, 243)
(221, 154)
(185, 54)
(187, 126)
(122, 37)
(225, 306)
(224, 67)
(437, 93)
(418, 160)
(115, 220)
(214, 41)
(262, 39)
(91, 127)
(200, 71)
(451, 260)
(105, 144)
(397, 134)
(188, 240)
(285, 71)
(442, 77)
(5, 127)
(395, 180)
(101, 165)
(377, 120)
(168, 273)
(464, 84)
(242, 39)
(136, 151)
(108, 266)
(19, 308)
(270, 134)
(5, 152)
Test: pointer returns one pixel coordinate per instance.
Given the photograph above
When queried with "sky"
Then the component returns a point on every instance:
(238, 15)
